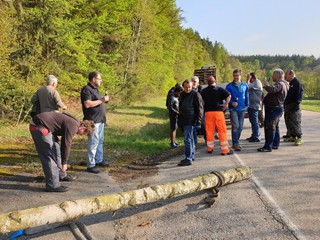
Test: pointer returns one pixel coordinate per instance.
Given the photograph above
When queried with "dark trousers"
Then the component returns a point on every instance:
(271, 126)
(292, 118)
(49, 153)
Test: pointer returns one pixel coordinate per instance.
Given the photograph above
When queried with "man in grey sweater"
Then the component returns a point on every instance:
(255, 93)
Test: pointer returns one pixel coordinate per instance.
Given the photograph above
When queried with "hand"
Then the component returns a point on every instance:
(64, 167)
(266, 83)
(235, 104)
(198, 127)
(105, 98)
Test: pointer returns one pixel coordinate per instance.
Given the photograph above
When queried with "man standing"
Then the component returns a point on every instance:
(191, 111)
(238, 104)
(47, 99)
(273, 105)
(292, 111)
(195, 84)
(45, 129)
(216, 99)
(255, 93)
(94, 109)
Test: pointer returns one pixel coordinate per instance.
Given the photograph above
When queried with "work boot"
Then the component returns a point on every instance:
(298, 141)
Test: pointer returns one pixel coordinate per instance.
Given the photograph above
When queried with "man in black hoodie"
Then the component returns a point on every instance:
(191, 112)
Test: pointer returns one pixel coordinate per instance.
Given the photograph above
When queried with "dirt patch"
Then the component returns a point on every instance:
(137, 168)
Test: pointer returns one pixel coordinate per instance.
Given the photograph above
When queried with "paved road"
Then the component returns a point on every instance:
(281, 201)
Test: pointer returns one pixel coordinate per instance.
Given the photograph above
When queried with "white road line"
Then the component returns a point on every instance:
(293, 228)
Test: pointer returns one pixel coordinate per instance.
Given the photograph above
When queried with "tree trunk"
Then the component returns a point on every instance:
(72, 210)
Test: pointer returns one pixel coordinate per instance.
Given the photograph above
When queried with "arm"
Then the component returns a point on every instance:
(198, 108)
(87, 99)
(91, 104)
(58, 100)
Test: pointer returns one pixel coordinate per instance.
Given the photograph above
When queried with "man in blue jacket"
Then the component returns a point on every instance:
(238, 104)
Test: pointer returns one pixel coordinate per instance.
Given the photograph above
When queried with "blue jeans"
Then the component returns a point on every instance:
(237, 118)
(189, 142)
(95, 145)
(253, 118)
(271, 126)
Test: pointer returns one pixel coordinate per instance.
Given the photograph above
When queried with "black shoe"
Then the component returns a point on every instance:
(229, 153)
(254, 140)
(184, 162)
(59, 189)
(69, 178)
(250, 138)
(93, 170)
(274, 147)
(286, 136)
(102, 164)
(263, 150)
(236, 147)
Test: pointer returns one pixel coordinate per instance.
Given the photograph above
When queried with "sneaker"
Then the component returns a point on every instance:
(254, 140)
(93, 170)
(298, 141)
(177, 144)
(59, 189)
(184, 162)
(263, 150)
(248, 139)
(102, 164)
(275, 147)
(290, 139)
(229, 153)
(173, 145)
(69, 178)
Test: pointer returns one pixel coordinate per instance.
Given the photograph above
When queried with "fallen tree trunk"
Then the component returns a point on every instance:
(72, 210)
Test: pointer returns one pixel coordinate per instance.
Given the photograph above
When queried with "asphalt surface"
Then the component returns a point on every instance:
(281, 200)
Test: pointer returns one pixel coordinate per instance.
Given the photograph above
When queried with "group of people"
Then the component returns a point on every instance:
(49, 124)
(192, 108)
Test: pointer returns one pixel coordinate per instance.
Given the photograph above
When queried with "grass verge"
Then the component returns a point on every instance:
(133, 133)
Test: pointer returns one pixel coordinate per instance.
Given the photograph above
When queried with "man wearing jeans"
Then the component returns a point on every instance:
(273, 103)
(239, 91)
(191, 112)
(255, 93)
(94, 109)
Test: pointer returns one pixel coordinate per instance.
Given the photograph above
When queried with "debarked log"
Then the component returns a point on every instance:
(71, 210)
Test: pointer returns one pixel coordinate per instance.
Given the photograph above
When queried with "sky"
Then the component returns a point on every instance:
(256, 27)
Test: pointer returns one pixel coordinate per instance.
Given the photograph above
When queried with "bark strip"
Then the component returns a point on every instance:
(68, 211)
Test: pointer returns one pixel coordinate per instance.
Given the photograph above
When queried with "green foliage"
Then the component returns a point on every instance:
(138, 46)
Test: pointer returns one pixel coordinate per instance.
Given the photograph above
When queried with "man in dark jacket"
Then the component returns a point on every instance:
(45, 129)
(273, 103)
(191, 112)
(292, 110)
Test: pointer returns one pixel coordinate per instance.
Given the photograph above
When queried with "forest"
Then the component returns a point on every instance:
(139, 46)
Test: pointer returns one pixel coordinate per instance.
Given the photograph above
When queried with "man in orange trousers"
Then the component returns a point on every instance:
(216, 100)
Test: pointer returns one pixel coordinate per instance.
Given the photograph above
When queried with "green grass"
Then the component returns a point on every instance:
(311, 105)
(133, 132)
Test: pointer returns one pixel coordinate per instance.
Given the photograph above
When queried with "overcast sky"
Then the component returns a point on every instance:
(250, 27)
